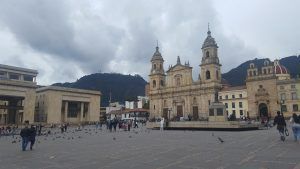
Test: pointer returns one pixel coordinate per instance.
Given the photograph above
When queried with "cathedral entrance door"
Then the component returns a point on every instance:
(195, 113)
(263, 110)
(179, 111)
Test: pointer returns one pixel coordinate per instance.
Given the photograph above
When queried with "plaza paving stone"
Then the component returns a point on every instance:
(142, 148)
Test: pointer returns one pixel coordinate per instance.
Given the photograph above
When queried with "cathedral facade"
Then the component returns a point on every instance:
(174, 93)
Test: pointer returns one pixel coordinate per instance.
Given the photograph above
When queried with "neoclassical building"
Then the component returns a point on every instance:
(174, 93)
(270, 89)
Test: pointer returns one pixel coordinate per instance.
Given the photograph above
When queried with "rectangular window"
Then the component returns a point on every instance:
(219, 112)
(293, 86)
(240, 104)
(233, 112)
(233, 105)
(233, 96)
(294, 96)
(241, 112)
(226, 105)
(28, 78)
(14, 76)
(226, 97)
(2, 73)
(241, 95)
(282, 96)
(209, 102)
(220, 97)
(295, 107)
(284, 109)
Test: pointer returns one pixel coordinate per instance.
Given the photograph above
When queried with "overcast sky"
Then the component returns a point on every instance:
(65, 40)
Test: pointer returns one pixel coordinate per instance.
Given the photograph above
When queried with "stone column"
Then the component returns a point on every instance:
(66, 111)
(81, 111)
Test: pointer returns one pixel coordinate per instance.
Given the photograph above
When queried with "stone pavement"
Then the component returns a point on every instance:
(143, 149)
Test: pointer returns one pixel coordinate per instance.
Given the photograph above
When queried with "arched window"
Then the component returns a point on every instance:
(254, 73)
(160, 67)
(165, 103)
(154, 84)
(177, 81)
(161, 83)
(265, 71)
(217, 74)
(250, 73)
(207, 74)
(207, 54)
(154, 66)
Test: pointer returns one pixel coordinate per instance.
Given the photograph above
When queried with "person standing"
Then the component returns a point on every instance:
(281, 125)
(162, 121)
(25, 136)
(295, 121)
(32, 136)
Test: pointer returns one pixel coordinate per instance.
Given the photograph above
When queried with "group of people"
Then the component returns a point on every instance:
(28, 135)
(279, 120)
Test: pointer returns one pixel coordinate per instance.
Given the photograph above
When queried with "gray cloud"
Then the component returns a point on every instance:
(67, 39)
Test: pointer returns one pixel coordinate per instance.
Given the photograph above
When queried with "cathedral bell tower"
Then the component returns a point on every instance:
(210, 66)
(157, 74)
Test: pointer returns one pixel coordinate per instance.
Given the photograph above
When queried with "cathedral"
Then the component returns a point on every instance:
(174, 93)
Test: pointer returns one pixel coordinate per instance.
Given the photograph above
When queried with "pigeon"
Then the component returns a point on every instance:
(220, 140)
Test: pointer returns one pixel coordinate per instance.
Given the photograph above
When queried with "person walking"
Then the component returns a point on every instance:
(281, 125)
(25, 136)
(32, 135)
(295, 121)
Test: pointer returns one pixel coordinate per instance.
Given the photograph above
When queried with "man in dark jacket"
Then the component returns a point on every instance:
(32, 136)
(25, 132)
(280, 121)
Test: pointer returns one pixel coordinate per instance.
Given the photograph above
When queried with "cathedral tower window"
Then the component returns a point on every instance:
(177, 81)
(207, 54)
(207, 74)
(154, 84)
(154, 66)
(217, 74)
(161, 83)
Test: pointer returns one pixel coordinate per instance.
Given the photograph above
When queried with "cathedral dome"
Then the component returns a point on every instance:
(209, 41)
(157, 55)
(280, 69)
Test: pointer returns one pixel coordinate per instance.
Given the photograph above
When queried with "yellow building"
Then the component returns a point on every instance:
(17, 94)
(271, 89)
(67, 105)
(235, 100)
(288, 97)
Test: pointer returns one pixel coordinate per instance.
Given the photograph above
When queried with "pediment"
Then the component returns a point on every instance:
(178, 68)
